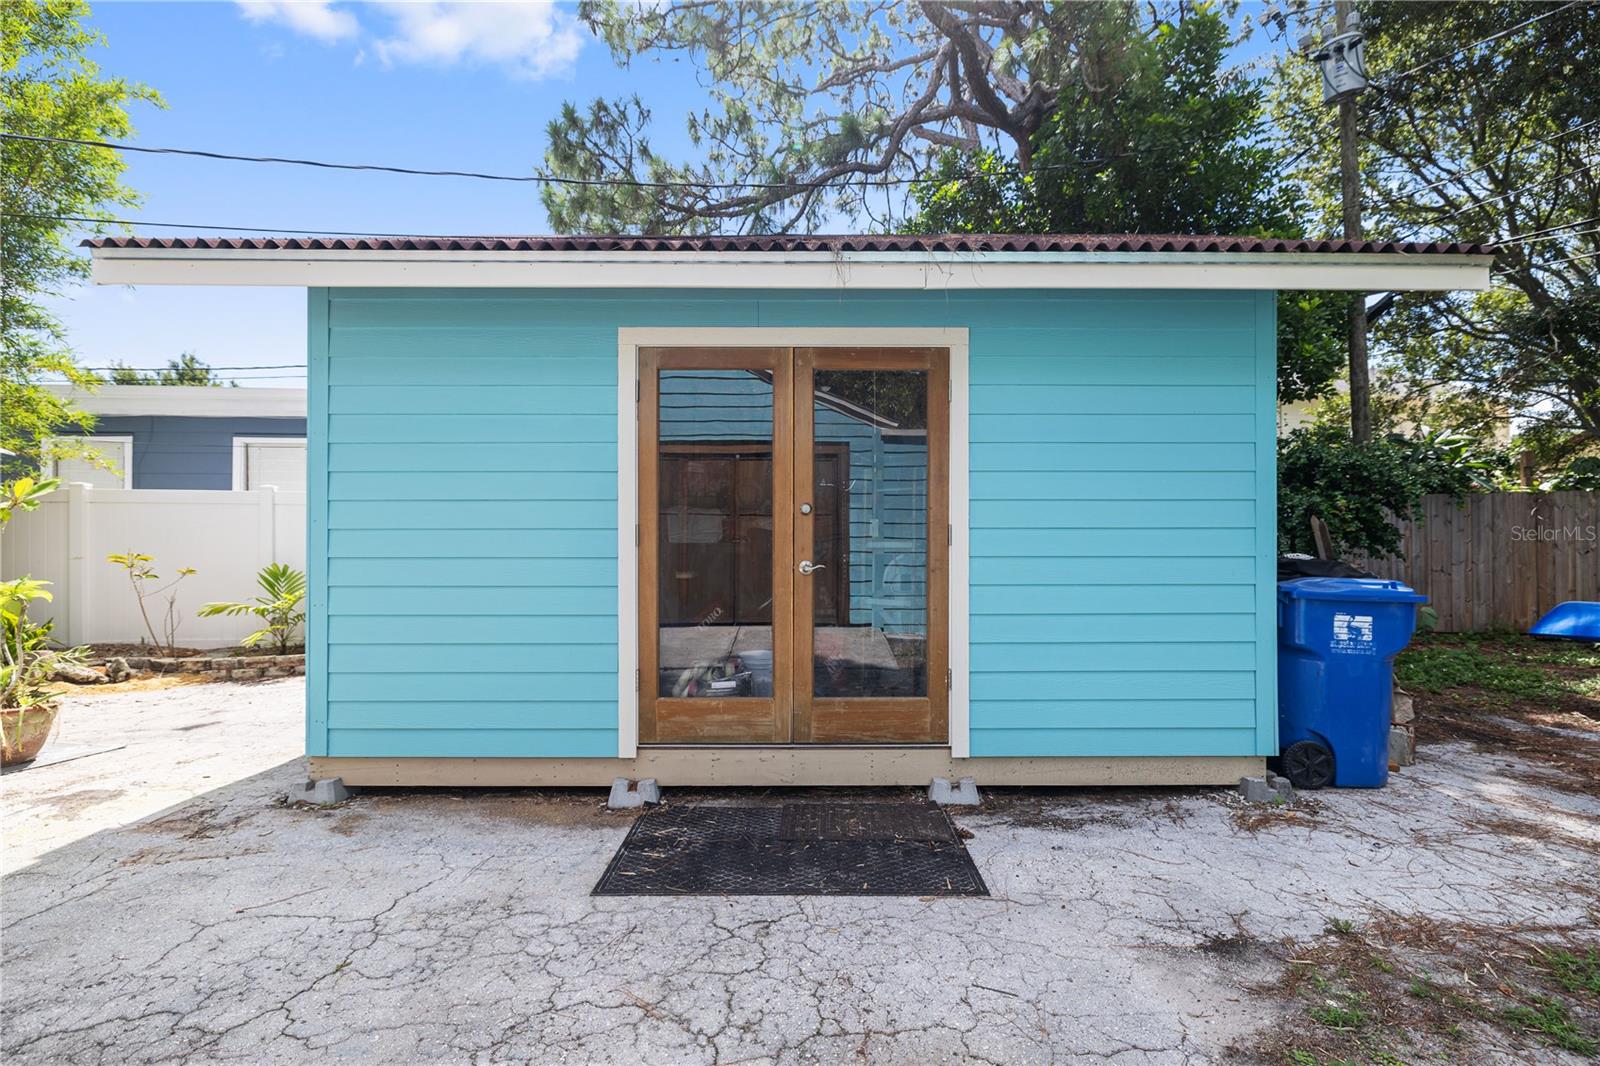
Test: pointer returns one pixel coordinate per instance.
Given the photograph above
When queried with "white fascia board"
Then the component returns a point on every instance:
(188, 401)
(935, 271)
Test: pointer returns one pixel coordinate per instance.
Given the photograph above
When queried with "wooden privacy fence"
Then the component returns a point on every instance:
(1499, 560)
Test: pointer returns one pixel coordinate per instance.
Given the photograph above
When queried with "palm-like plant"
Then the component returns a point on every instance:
(279, 610)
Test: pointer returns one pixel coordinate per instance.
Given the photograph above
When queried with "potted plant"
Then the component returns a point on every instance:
(27, 707)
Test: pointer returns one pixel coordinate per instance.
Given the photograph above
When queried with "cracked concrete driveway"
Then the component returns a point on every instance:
(160, 907)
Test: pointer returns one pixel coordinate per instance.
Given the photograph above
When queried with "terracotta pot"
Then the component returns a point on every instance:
(25, 731)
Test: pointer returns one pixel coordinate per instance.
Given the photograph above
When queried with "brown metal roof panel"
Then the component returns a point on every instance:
(868, 243)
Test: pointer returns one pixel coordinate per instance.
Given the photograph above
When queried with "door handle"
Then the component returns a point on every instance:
(807, 566)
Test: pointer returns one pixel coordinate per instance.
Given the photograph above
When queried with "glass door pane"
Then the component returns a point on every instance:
(869, 544)
(715, 545)
(715, 534)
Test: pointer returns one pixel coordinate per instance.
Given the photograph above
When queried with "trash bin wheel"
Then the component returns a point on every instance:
(1308, 764)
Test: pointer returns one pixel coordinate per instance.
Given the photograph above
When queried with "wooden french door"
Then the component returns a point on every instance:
(793, 545)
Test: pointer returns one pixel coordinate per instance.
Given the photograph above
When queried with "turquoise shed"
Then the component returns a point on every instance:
(809, 510)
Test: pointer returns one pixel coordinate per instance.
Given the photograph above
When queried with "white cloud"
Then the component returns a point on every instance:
(530, 40)
(527, 39)
(314, 18)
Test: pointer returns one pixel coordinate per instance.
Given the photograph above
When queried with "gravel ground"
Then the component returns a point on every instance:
(160, 906)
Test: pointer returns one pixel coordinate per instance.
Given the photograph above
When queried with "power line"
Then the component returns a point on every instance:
(263, 366)
(1515, 238)
(1552, 236)
(1572, 259)
(546, 179)
(1458, 175)
(1473, 44)
(238, 229)
(1496, 199)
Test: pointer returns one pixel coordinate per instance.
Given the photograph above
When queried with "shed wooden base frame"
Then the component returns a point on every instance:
(730, 766)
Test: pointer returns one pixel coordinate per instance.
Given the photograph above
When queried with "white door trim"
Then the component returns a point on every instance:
(630, 340)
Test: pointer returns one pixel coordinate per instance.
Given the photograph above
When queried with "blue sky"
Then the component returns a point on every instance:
(468, 86)
(269, 80)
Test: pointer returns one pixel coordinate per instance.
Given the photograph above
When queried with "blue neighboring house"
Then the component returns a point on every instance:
(192, 437)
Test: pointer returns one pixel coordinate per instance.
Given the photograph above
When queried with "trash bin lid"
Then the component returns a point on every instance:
(1370, 589)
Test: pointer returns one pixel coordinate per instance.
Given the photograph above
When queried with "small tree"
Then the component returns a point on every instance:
(141, 575)
(279, 610)
(187, 369)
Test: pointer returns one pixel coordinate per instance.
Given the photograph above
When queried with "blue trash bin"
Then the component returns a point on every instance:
(1337, 639)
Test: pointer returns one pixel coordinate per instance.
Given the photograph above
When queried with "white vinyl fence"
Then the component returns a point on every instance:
(225, 536)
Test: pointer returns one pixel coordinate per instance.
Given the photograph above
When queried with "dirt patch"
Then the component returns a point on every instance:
(1238, 946)
(576, 808)
(70, 803)
(1408, 988)
(202, 823)
(99, 652)
(115, 651)
(1534, 831)
(1531, 733)
(134, 684)
(349, 823)
(1303, 811)
(1076, 808)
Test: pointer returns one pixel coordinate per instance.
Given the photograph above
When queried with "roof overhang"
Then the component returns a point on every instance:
(920, 270)
(186, 401)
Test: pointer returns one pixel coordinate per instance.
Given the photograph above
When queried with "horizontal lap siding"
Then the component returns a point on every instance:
(464, 600)
(470, 529)
(1117, 528)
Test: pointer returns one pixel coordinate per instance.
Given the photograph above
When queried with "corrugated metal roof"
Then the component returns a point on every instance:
(944, 242)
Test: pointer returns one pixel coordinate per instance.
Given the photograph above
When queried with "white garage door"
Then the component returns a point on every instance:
(280, 463)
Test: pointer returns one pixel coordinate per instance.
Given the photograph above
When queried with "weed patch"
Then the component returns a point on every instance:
(1431, 668)
(1551, 1019)
(1574, 973)
(1398, 989)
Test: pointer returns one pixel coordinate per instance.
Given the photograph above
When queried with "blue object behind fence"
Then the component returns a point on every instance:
(1573, 620)
(1337, 639)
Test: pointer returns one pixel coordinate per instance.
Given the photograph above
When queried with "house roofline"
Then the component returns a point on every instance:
(185, 401)
(829, 270)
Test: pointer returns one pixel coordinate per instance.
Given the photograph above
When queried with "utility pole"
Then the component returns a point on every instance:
(1344, 77)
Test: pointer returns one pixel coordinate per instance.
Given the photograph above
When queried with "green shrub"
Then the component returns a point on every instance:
(1359, 490)
(279, 609)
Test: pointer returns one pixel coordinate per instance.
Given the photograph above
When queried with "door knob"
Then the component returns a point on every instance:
(807, 566)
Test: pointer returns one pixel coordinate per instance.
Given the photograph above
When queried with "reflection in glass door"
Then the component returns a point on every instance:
(711, 422)
(871, 540)
(793, 545)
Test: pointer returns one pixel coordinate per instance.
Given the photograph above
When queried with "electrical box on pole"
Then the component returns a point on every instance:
(1341, 59)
